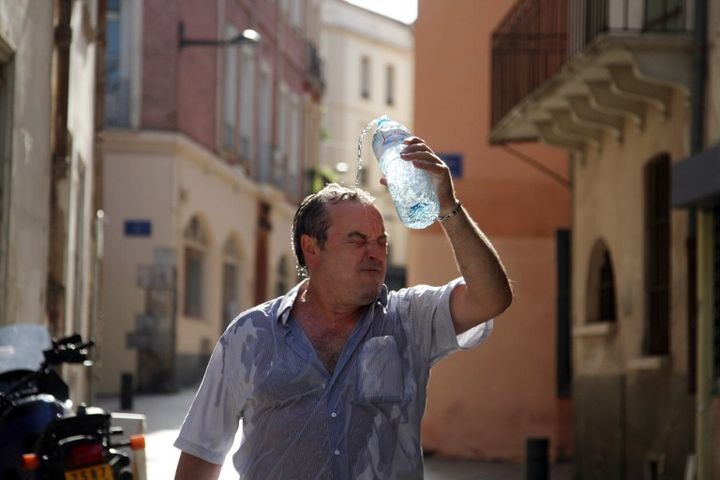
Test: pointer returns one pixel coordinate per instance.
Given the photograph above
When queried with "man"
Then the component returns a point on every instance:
(330, 379)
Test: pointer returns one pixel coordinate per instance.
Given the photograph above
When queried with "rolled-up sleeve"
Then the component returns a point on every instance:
(425, 313)
(212, 421)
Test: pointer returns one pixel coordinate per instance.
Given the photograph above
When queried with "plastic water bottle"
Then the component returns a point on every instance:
(411, 188)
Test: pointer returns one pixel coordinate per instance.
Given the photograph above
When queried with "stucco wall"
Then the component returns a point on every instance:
(138, 186)
(26, 30)
(647, 408)
(609, 205)
(484, 404)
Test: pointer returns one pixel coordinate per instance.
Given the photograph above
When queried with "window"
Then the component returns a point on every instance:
(390, 85)
(365, 77)
(657, 256)
(265, 125)
(601, 286)
(296, 13)
(294, 147)
(280, 156)
(664, 15)
(229, 92)
(247, 102)
(283, 277)
(117, 87)
(195, 246)
(607, 290)
(230, 282)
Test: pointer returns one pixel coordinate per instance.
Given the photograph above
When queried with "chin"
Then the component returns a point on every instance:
(370, 291)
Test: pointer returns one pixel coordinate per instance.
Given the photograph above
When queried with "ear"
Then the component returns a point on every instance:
(310, 247)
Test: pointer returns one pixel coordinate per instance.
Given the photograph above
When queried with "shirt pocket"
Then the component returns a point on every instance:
(379, 371)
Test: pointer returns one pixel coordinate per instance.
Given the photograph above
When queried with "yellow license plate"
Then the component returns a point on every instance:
(96, 472)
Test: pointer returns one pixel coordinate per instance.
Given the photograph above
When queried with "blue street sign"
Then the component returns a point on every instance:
(138, 228)
(454, 161)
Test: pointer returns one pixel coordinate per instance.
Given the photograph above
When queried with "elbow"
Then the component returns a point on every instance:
(504, 299)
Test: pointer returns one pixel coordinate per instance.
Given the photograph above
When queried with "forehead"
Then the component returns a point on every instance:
(351, 216)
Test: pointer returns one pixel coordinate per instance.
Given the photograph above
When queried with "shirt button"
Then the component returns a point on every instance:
(337, 452)
(333, 414)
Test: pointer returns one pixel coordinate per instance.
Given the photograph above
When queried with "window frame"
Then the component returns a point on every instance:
(390, 85)
(195, 245)
(365, 77)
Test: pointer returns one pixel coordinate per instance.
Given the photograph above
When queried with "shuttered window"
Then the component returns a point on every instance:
(657, 256)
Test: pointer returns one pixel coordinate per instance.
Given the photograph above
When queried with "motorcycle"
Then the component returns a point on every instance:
(40, 436)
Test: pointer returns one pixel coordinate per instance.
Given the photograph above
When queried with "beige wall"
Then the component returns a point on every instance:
(171, 180)
(149, 176)
(348, 34)
(26, 42)
(483, 404)
(600, 181)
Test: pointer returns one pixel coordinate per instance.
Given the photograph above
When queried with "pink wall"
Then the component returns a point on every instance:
(485, 403)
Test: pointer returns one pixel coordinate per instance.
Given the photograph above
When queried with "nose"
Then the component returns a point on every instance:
(376, 251)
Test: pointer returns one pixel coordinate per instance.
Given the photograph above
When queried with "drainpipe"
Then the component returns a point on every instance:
(97, 198)
(700, 227)
(55, 302)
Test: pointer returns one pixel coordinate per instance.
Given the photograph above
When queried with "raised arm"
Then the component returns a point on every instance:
(191, 467)
(487, 291)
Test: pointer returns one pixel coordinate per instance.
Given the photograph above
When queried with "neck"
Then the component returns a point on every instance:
(323, 306)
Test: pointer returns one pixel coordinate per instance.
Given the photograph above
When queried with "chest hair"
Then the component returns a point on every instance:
(328, 342)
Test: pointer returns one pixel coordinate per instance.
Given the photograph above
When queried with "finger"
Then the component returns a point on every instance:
(416, 147)
(423, 155)
(413, 140)
(430, 166)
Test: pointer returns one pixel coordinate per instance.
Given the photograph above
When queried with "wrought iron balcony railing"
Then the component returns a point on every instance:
(537, 37)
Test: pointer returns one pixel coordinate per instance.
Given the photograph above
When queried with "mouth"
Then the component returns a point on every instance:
(371, 268)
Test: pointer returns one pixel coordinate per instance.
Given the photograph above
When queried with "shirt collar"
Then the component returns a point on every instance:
(288, 300)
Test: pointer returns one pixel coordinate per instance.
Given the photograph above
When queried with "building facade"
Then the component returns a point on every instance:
(48, 208)
(485, 403)
(621, 86)
(208, 138)
(370, 73)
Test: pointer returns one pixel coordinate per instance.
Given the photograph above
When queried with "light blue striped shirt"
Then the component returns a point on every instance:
(301, 422)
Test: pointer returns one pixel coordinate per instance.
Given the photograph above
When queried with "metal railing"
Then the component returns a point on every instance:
(528, 47)
(314, 68)
(537, 37)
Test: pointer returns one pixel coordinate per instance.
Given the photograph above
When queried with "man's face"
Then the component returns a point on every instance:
(353, 261)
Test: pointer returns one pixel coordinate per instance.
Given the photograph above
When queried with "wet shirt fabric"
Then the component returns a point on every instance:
(301, 422)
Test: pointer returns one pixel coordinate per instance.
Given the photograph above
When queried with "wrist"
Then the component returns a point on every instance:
(448, 214)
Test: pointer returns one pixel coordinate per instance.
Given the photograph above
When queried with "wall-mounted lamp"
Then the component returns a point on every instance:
(246, 36)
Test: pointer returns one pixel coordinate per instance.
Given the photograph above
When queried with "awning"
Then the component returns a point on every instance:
(696, 180)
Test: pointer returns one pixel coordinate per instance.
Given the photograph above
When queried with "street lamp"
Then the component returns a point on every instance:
(246, 36)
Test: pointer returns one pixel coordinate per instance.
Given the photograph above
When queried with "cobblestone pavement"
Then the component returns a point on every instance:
(165, 413)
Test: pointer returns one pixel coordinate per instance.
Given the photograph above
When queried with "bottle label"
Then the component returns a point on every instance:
(383, 138)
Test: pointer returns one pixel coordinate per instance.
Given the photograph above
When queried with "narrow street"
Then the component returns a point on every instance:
(165, 413)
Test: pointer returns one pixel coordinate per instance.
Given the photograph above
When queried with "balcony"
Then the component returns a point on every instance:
(314, 79)
(571, 72)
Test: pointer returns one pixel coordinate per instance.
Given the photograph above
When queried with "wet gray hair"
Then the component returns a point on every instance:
(311, 217)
